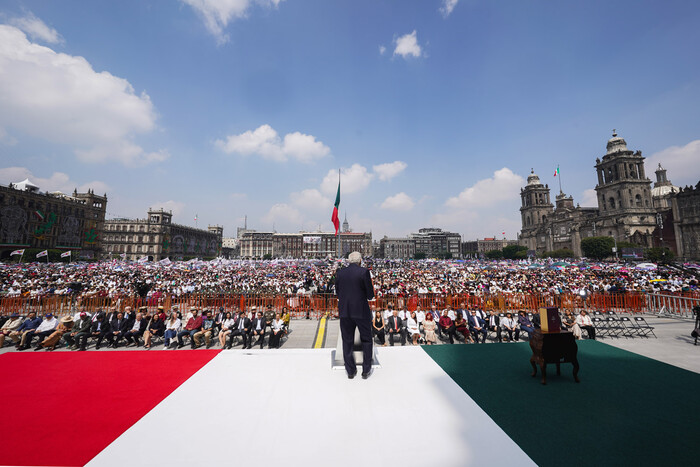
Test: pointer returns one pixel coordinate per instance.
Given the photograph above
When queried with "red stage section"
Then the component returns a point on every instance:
(64, 408)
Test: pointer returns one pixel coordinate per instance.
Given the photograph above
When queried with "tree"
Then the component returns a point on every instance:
(657, 254)
(597, 247)
(267, 256)
(494, 254)
(561, 254)
(514, 252)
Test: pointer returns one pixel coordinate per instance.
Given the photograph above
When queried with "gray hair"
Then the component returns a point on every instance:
(355, 257)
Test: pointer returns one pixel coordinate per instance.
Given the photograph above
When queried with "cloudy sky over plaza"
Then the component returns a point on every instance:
(434, 110)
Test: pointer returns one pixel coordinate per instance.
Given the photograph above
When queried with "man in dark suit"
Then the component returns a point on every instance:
(395, 326)
(241, 327)
(353, 286)
(100, 329)
(257, 328)
(117, 328)
(477, 326)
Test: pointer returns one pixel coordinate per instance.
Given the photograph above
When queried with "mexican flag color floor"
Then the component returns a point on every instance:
(444, 406)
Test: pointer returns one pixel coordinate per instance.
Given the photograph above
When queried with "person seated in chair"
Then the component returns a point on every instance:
(77, 338)
(118, 326)
(46, 328)
(447, 326)
(194, 324)
(412, 328)
(206, 330)
(276, 331)
(27, 327)
(155, 327)
(100, 330)
(510, 326)
(10, 326)
(525, 324)
(569, 323)
(241, 327)
(494, 324)
(395, 326)
(462, 327)
(477, 327)
(378, 327)
(135, 331)
(429, 327)
(257, 328)
(226, 328)
(584, 322)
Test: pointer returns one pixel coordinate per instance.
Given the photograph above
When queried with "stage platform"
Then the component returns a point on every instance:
(442, 405)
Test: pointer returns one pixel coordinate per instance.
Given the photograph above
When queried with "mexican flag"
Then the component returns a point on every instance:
(334, 217)
(556, 171)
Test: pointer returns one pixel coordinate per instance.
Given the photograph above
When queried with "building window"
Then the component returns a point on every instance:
(612, 203)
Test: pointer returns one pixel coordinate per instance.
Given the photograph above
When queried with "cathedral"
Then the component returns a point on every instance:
(628, 210)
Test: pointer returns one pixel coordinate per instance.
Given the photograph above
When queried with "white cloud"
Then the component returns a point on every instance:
(590, 198)
(311, 199)
(61, 99)
(390, 170)
(678, 162)
(408, 45)
(504, 185)
(352, 180)
(398, 202)
(6, 138)
(175, 206)
(37, 29)
(217, 14)
(382, 49)
(265, 142)
(58, 181)
(238, 196)
(282, 213)
(447, 7)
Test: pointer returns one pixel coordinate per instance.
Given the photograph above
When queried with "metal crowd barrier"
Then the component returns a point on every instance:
(672, 305)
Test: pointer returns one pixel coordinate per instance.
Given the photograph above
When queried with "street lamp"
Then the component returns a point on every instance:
(660, 223)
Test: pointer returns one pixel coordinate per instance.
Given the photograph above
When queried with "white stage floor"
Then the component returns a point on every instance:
(290, 408)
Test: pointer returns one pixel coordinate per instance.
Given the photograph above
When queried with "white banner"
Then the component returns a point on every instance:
(17, 252)
(67, 253)
(312, 240)
(42, 253)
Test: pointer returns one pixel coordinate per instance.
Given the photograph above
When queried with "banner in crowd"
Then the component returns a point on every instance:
(17, 252)
(66, 254)
(42, 253)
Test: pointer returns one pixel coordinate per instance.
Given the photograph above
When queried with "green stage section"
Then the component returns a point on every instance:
(627, 409)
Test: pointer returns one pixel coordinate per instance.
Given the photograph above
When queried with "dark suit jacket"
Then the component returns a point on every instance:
(254, 324)
(353, 285)
(104, 328)
(394, 325)
(123, 326)
(475, 321)
(237, 323)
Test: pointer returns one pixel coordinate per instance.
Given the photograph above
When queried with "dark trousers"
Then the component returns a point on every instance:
(131, 336)
(498, 332)
(450, 333)
(115, 338)
(475, 332)
(186, 333)
(261, 337)
(393, 332)
(79, 340)
(275, 339)
(590, 330)
(510, 334)
(379, 335)
(238, 332)
(39, 335)
(347, 331)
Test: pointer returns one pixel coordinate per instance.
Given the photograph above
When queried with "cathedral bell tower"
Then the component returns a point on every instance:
(535, 210)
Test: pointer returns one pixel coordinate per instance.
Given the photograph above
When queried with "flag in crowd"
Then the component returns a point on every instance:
(123, 255)
(556, 171)
(42, 253)
(67, 253)
(17, 252)
(143, 259)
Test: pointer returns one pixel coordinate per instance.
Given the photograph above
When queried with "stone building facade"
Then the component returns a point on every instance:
(318, 245)
(430, 241)
(686, 222)
(157, 238)
(30, 218)
(627, 209)
(478, 248)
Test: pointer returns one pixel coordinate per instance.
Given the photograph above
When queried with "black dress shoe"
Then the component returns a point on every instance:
(366, 375)
(351, 375)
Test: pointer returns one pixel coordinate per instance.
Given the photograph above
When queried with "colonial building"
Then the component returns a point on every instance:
(478, 248)
(686, 215)
(32, 219)
(157, 238)
(627, 207)
(320, 245)
(431, 242)
(397, 248)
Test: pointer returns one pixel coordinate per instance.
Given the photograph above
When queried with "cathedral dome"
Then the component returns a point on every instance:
(533, 179)
(616, 144)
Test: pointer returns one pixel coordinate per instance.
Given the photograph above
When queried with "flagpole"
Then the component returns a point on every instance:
(21, 256)
(337, 235)
(559, 174)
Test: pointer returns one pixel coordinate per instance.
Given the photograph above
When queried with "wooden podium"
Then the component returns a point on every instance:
(550, 344)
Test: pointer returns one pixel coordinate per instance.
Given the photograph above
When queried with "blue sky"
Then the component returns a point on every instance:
(435, 111)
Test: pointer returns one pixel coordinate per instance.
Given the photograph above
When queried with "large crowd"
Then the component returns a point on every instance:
(117, 279)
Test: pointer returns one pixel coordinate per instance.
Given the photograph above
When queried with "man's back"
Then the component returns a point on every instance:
(354, 287)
